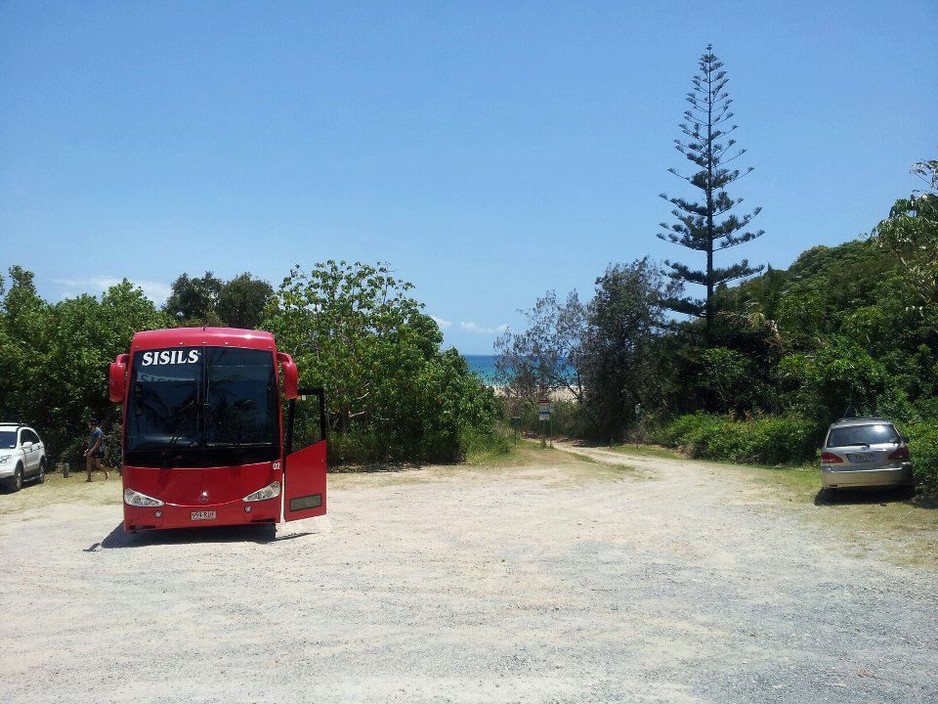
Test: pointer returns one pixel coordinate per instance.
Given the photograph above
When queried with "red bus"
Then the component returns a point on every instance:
(204, 438)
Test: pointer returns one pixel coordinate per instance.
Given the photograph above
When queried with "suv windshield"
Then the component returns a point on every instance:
(7, 439)
(874, 434)
(202, 407)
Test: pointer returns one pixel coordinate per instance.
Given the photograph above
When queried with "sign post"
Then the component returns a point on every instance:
(544, 415)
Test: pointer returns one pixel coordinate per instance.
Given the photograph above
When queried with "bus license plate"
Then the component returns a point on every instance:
(203, 515)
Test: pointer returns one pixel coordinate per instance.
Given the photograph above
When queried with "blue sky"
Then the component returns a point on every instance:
(489, 151)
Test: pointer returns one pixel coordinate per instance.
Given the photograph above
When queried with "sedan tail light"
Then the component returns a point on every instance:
(830, 458)
(901, 454)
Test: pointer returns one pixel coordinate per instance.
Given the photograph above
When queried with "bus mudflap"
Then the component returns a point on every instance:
(304, 483)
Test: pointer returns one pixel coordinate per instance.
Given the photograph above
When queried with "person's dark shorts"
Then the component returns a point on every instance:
(98, 453)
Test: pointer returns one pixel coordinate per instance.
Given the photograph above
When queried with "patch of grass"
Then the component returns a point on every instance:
(60, 490)
(907, 523)
(496, 448)
(530, 453)
(804, 480)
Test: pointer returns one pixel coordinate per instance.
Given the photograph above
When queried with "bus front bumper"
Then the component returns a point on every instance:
(188, 516)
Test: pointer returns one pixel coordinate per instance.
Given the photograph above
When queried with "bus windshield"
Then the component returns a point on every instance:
(202, 407)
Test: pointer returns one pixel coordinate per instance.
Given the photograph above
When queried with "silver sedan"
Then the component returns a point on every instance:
(865, 452)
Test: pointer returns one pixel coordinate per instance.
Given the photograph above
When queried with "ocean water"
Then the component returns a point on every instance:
(483, 365)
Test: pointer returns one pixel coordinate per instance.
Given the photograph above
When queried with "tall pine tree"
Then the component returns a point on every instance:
(707, 225)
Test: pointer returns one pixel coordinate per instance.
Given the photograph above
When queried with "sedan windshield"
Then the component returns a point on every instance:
(202, 407)
(880, 433)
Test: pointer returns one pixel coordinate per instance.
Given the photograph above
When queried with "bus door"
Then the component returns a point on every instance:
(304, 470)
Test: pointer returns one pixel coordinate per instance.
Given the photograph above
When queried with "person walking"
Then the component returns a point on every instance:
(95, 450)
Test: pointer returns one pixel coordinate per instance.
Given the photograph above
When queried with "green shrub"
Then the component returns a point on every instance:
(760, 440)
(482, 447)
(923, 445)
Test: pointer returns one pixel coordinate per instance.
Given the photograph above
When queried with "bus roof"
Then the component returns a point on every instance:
(210, 337)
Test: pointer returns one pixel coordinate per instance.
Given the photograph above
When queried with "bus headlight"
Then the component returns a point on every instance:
(135, 498)
(271, 491)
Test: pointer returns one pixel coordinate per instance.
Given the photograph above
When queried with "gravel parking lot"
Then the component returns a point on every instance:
(561, 581)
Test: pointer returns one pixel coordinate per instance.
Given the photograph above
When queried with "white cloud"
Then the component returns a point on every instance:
(156, 291)
(479, 330)
(444, 324)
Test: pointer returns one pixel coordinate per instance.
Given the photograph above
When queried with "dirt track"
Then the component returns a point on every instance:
(573, 582)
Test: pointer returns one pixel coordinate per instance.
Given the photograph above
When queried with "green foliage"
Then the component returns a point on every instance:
(839, 379)
(25, 326)
(485, 447)
(616, 355)
(193, 301)
(207, 300)
(726, 374)
(393, 395)
(766, 440)
(735, 373)
(923, 446)
(910, 235)
(840, 333)
(242, 301)
(830, 289)
(56, 357)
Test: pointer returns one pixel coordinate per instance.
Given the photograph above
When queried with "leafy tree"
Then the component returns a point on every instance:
(706, 226)
(355, 330)
(193, 301)
(910, 234)
(616, 355)
(544, 358)
(726, 374)
(87, 334)
(56, 358)
(242, 300)
(840, 378)
(23, 332)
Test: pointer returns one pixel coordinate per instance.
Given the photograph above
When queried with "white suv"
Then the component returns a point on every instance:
(22, 456)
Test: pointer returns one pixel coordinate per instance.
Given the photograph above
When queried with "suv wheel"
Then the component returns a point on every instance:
(15, 483)
(42, 471)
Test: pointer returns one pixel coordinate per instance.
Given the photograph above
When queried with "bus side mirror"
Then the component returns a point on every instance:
(117, 379)
(291, 380)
